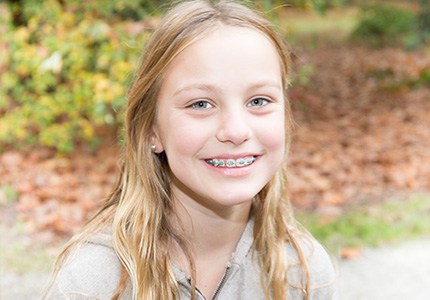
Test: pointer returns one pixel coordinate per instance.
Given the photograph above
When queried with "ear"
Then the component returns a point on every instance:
(156, 144)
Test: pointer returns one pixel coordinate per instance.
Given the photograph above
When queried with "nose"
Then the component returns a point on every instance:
(234, 126)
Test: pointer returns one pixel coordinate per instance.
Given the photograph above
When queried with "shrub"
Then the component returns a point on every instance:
(383, 25)
(66, 74)
(424, 20)
(320, 6)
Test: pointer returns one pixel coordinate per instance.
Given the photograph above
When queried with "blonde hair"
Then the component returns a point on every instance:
(139, 206)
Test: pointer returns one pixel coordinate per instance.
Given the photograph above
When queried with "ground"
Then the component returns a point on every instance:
(395, 272)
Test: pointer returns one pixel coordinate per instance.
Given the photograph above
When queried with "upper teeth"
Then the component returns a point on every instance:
(232, 163)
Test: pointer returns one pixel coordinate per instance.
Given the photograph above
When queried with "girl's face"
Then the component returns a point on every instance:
(221, 118)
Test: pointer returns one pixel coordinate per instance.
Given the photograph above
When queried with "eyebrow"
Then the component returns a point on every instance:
(268, 83)
(199, 86)
(209, 87)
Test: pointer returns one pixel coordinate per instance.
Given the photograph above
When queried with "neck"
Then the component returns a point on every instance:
(210, 230)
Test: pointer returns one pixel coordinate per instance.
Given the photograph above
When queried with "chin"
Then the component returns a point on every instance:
(233, 199)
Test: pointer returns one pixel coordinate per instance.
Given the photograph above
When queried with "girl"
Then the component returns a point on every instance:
(200, 210)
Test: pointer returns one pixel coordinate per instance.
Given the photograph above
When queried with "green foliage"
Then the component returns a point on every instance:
(123, 9)
(67, 71)
(424, 20)
(385, 25)
(23, 10)
(374, 224)
(320, 6)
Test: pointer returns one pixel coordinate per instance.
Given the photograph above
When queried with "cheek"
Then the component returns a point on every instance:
(272, 134)
(183, 138)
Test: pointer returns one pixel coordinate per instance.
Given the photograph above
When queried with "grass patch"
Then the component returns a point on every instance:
(20, 259)
(372, 225)
(20, 255)
(8, 195)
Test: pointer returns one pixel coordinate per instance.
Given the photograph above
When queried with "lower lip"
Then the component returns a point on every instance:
(232, 172)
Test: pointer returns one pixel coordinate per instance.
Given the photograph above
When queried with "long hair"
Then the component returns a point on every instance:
(140, 206)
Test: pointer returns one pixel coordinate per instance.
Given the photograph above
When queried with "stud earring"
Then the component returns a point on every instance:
(153, 147)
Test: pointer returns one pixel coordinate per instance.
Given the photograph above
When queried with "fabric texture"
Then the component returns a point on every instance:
(94, 273)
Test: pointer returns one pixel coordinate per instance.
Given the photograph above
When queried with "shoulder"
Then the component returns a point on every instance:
(92, 271)
(322, 274)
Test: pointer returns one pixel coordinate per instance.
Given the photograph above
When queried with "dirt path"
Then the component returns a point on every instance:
(396, 272)
(20, 287)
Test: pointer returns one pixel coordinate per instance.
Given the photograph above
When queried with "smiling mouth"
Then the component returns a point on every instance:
(231, 163)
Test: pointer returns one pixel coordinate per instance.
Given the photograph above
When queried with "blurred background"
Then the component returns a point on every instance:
(360, 91)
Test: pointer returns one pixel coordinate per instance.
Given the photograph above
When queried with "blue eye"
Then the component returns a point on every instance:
(258, 102)
(201, 105)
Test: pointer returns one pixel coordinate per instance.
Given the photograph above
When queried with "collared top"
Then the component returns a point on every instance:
(94, 273)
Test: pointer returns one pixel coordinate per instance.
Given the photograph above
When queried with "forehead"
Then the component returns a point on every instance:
(232, 39)
(224, 53)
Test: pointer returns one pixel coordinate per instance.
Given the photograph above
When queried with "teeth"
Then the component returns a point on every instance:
(232, 163)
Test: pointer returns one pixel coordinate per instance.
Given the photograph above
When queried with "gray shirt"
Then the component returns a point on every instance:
(94, 273)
